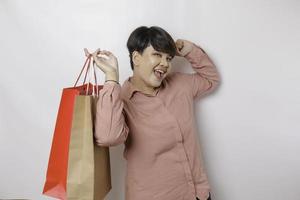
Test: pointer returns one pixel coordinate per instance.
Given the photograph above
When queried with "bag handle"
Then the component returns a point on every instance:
(92, 71)
(88, 66)
(97, 89)
(85, 65)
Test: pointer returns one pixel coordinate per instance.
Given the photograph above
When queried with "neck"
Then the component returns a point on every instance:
(141, 86)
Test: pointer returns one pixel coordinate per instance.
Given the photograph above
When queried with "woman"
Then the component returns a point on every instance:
(152, 114)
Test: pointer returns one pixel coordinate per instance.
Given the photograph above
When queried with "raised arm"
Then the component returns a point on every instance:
(110, 126)
(206, 78)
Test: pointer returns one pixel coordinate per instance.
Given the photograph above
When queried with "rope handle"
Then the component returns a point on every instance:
(90, 70)
(85, 66)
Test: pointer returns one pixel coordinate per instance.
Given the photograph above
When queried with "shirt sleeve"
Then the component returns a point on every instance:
(110, 125)
(206, 78)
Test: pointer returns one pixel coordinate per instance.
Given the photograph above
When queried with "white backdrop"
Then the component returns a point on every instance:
(248, 129)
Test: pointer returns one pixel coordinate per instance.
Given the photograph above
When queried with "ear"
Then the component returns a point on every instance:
(136, 58)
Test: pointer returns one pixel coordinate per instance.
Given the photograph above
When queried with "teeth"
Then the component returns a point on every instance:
(160, 71)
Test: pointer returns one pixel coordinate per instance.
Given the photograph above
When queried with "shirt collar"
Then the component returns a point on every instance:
(130, 89)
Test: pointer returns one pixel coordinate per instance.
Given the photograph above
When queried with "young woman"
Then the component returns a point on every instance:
(152, 113)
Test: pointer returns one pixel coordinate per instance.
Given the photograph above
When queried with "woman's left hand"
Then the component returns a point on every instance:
(183, 47)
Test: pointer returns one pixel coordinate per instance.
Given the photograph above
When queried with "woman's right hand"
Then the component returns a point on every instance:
(106, 61)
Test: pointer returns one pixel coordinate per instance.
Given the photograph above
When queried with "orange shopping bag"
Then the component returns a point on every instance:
(78, 168)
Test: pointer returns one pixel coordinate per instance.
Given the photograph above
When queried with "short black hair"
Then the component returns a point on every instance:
(143, 36)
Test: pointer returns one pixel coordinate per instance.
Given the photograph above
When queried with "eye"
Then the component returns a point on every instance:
(170, 59)
(157, 54)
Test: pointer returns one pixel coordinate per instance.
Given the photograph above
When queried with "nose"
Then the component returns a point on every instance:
(164, 62)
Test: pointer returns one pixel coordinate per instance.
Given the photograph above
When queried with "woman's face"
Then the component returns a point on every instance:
(151, 68)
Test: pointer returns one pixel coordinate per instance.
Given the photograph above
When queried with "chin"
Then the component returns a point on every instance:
(157, 83)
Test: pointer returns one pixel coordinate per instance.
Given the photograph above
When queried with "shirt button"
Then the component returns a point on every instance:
(180, 139)
(190, 182)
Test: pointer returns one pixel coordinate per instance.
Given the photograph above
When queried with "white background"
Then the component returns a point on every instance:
(248, 129)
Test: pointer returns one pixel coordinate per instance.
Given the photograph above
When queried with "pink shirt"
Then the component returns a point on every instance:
(164, 160)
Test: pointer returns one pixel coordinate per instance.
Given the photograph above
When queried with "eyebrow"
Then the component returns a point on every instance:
(162, 52)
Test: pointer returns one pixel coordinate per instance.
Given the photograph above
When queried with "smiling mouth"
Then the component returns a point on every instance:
(159, 73)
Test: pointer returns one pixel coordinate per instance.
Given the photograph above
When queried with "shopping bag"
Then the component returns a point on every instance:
(78, 169)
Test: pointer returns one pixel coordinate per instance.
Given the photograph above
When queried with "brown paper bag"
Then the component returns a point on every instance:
(89, 175)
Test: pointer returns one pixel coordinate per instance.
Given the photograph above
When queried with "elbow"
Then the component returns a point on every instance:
(214, 81)
(102, 143)
(215, 84)
(217, 81)
(113, 138)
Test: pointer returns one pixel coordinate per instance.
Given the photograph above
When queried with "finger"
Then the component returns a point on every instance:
(179, 47)
(102, 56)
(179, 50)
(97, 54)
(96, 51)
(180, 44)
(98, 60)
(108, 53)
